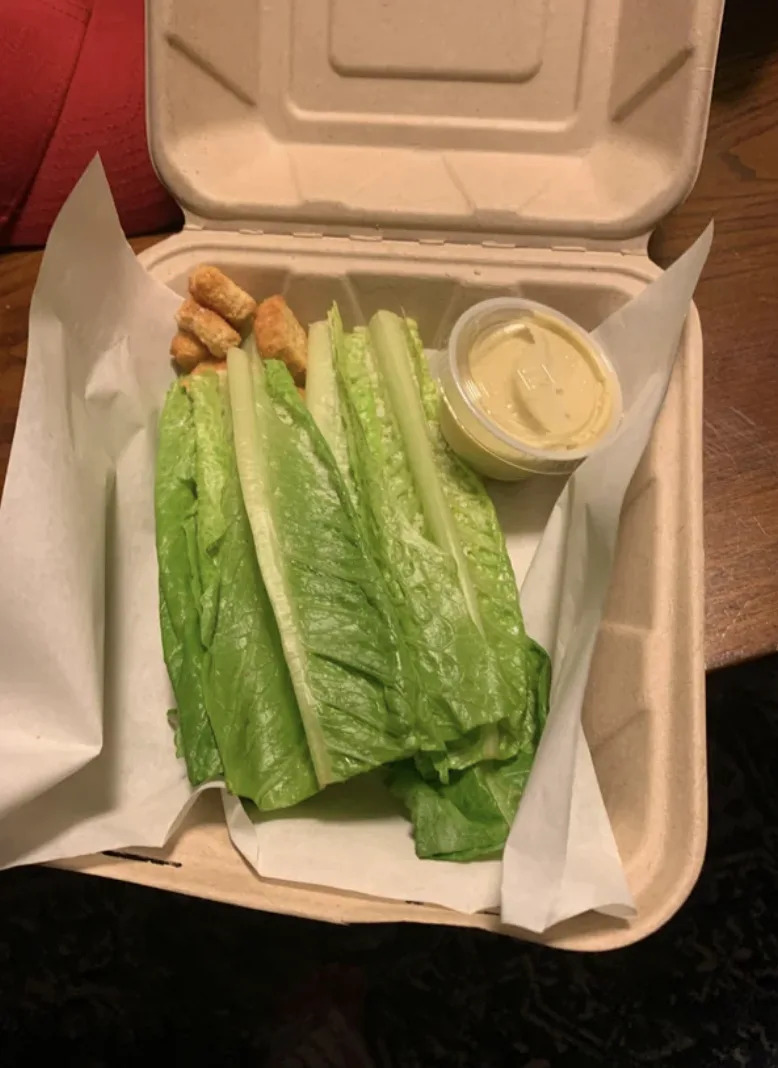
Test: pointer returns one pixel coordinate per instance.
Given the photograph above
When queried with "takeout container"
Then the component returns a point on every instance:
(426, 156)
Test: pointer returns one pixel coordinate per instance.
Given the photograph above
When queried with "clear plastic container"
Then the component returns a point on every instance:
(553, 399)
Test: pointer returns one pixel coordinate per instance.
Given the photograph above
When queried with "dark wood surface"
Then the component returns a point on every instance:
(738, 302)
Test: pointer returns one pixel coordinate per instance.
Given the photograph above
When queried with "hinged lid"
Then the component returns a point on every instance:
(582, 119)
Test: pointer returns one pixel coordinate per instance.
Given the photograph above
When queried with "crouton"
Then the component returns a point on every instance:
(210, 365)
(212, 289)
(279, 336)
(215, 333)
(187, 351)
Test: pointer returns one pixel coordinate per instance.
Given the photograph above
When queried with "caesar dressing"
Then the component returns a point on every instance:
(525, 390)
(538, 382)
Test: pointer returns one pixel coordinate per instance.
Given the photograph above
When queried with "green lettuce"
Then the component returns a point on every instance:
(248, 690)
(407, 523)
(237, 714)
(321, 396)
(179, 583)
(492, 577)
(470, 811)
(337, 625)
(469, 816)
(336, 594)
(419, 497)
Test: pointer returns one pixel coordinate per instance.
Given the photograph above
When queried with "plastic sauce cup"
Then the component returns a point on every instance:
(526, 390)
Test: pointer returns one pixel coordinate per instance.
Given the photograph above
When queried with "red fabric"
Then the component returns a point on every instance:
(72, 80)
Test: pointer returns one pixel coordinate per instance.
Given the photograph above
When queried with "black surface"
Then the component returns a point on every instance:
(100, 973)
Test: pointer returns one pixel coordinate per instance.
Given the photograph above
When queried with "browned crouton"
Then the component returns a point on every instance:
(210, 365)
(215, 333)
(211, 288)
(187, 351)
(280, 336)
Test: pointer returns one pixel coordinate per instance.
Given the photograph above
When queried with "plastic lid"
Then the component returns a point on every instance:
(582, 119)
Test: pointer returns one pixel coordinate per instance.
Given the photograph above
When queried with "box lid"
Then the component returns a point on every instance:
(581, 120)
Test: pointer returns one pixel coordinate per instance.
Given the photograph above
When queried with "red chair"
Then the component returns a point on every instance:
(71, 85)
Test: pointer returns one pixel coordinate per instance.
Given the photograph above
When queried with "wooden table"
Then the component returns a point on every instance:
(738, 301)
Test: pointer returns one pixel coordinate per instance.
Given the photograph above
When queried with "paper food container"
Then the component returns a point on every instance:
(427, 155)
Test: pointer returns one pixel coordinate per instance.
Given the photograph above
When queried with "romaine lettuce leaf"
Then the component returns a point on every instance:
(491, 575)
(460, 687)
(248, 691)
(179, 583)
(336, 622)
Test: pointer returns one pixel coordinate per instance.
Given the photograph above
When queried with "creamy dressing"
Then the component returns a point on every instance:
(538, 381)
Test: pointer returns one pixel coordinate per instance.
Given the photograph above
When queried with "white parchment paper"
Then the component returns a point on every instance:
(86, 755)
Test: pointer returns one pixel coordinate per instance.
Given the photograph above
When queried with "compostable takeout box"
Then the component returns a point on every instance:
(426, 155)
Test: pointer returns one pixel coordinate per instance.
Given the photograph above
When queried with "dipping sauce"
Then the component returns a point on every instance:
(538, 382)
(525, 390)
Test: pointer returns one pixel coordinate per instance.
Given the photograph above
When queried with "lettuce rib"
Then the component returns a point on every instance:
(389, 336)
(321, 395)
